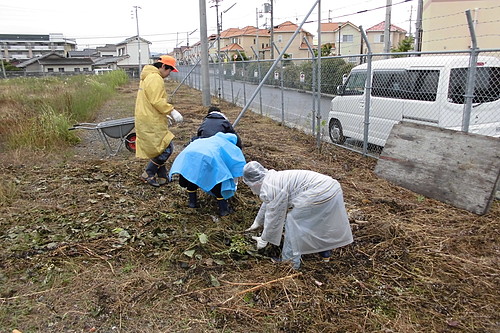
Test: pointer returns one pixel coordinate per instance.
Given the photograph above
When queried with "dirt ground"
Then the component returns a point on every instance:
(85, 246)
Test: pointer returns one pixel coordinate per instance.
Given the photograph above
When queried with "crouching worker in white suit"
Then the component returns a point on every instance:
(309, 205)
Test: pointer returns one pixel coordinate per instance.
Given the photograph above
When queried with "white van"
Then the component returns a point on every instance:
(427, 90)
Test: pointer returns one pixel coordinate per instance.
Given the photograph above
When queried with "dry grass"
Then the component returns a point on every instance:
(86, 247)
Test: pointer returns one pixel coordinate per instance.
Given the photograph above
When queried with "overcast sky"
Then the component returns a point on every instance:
(168, 23)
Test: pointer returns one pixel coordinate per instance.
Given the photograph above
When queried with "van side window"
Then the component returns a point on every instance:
(419, 85)
(487, 85)
(355, 84)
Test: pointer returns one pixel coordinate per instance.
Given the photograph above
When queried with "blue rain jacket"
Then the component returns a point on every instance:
(209, 161)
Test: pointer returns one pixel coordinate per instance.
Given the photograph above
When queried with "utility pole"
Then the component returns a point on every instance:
(418, 28)
(218, 47)
(387, 27)
(138, 38)
(205, 82)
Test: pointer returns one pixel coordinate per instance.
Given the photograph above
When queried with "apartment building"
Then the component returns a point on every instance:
(445, 28)
(23, 47)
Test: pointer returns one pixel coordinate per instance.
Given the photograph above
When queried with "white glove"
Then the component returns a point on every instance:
(170, 120)
(260, 242)
(255, 225)
(176, 116)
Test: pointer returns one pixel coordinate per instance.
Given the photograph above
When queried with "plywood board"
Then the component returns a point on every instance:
(454, 167)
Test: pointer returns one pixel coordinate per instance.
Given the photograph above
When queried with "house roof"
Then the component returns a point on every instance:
(233, 47)
(109, 60)
(288, 26)
(107, 48)
(334, 26)
(131, 39)
(55, 59)
(246, 31)
(330, 26)
(86, 53)
(381, 27)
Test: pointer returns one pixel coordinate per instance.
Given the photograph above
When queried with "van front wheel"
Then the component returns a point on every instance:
(335, 130)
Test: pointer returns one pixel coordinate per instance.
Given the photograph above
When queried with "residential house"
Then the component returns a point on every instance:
(55, 63)
(85, 53)
(137, 50)
(23, 47)
(193, 53)
(249, 41)
(298, 48)
(375, 36)
(444, 24)
(344, 37)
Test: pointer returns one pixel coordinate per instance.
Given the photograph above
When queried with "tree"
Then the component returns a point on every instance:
(405, 45)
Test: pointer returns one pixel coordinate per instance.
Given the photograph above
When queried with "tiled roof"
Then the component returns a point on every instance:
(232, 47)
(381, 27)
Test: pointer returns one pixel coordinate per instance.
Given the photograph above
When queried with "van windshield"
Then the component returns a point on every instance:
(355, 84)
(487, 85)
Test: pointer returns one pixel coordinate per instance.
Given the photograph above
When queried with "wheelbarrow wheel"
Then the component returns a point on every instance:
(130, 142)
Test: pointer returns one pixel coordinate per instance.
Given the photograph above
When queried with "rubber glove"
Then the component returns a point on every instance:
(176, 116)
(255, 225)
(260, 242)
(170, 120)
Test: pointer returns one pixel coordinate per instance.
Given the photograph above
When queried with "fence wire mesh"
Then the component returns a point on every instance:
(455, 90)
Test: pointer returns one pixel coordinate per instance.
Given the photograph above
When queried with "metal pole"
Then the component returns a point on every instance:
(243, 62)
(218, 51)
(282, 90)
(471, 77)
(318, 63)
(138, 38)
(205, 75)
(3, 65)
(387, 27)
(245, 108)
(368, 92)
(272, 29)
(418, 29)
(313, 85)
(259, 75)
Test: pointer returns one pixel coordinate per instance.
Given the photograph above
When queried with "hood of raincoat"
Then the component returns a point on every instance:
(151, 109)
(210, 161)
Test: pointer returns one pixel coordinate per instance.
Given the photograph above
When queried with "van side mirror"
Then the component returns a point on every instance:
(340, 90)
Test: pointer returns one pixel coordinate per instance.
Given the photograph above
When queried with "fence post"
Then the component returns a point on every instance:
(259, 74)
(471, 77)
(245, 108)
(368, 92)
(313, 85)
(282, 89)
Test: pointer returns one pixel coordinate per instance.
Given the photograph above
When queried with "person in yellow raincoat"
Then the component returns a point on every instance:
(152, 116)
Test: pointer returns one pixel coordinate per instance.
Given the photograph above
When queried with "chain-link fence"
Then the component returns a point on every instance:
(361, 97)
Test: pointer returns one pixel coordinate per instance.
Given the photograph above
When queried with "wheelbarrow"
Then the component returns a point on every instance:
(116, 129)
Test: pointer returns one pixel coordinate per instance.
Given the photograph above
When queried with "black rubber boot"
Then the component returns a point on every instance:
(151, 170)
(193, 202)
(162, 175)
(224, 208)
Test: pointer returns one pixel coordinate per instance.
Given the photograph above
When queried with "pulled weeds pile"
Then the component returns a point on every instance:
(85, 246)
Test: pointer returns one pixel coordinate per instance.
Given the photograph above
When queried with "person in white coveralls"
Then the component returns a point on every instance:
(308, 205)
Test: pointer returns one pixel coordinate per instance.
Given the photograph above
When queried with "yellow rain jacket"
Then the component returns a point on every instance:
(151, 110)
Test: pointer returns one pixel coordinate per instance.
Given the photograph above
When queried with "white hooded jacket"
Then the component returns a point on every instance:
(309, 205)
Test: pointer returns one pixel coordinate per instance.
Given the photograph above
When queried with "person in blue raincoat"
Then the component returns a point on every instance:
(211, 164)
(308, 205)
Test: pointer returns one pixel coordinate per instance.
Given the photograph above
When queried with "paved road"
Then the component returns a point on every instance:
(293, 106)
